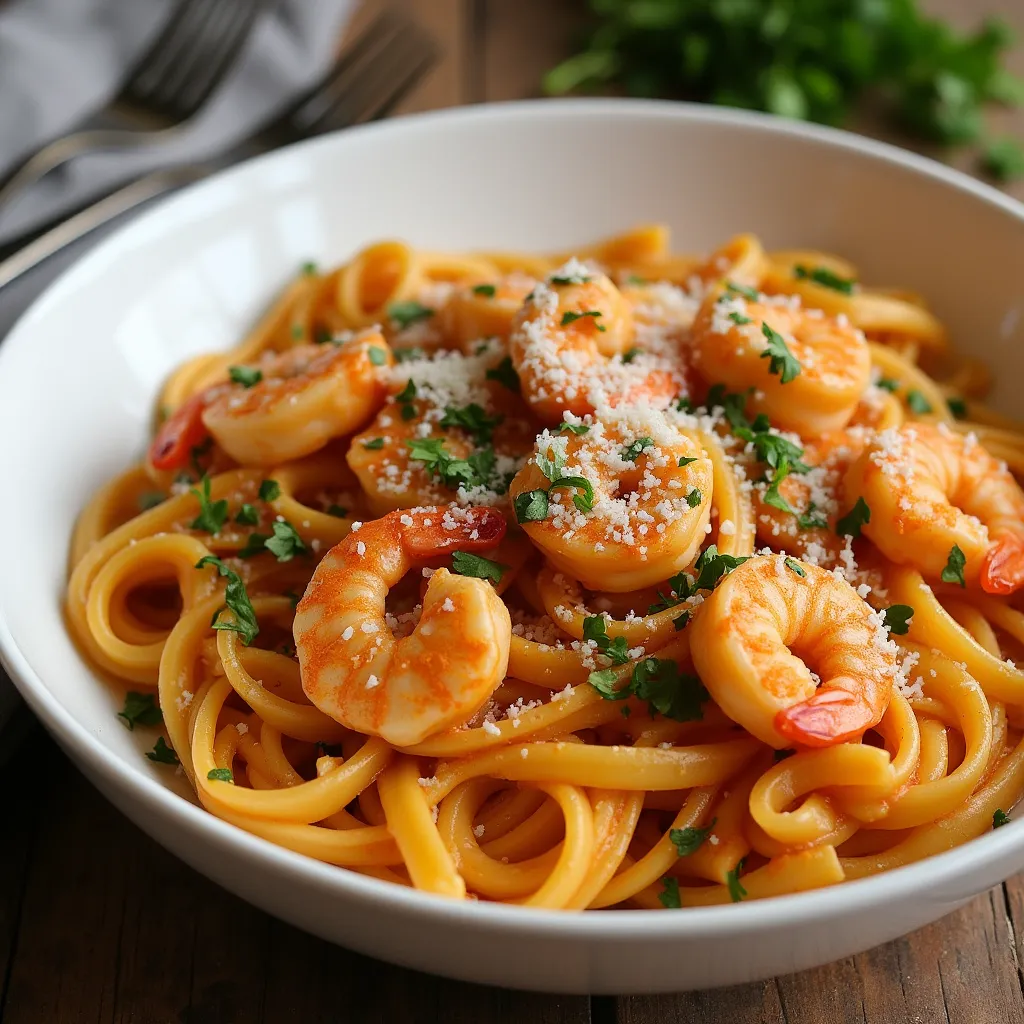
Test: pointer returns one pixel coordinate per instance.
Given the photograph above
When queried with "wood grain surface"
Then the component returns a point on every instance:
(99, 924)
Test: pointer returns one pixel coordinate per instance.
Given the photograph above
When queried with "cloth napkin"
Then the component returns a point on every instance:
(62, 59)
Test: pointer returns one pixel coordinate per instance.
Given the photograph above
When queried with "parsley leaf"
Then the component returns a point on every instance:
(286, 542)
(897, 618)
(569, 317)
(237, 601)
(377, 355)
(674, 694)
(337, 510)
(574, 428)
(473, 419)
(689, 840)
(792, 563)
(771, 494)
(270, 490)
(712, 566)
(1004, 159)
(140, 709)
(739, 319)
(247, 515)
(255, 544)
(464, 563)
(630, 354)
(485, 290)
(1000, 818)
(685, 460)
(594, 629)
(850, 525)
(732, 879)
(212, 514)
(634, 449)
(741, 289)
(406, 313)
(669, 896)
(150, 499)
(452, 472)
(780, 360)
(825, 277)
(812, 519)
(585, 501)
(220, 775)
(309, 268)
(954, 571)
(247, 376)
(887, 384)
(505, 374)
(374, 444)
(531, 506)
(569, 279)
(161, 753)
(918, 403)
(958, 407)
(694, 498)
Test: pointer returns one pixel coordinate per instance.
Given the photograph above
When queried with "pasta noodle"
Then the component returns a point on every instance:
(602, 579)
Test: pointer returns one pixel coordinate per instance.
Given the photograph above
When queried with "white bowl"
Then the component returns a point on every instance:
(79, 373)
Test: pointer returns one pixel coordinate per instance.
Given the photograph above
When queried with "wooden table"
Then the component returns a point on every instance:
(98, 923)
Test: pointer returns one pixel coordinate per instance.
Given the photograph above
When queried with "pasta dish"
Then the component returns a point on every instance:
(612, 578)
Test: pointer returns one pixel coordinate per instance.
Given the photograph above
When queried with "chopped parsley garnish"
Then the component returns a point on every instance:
(812, 519)
(339, 511)
(237, 601)
(851, 524)
(887, 384)
(406, 313)
(630, 354)
(212, 514)
(405, 397)
(574, 428)
(954, 571)
(322, 336)
(286, 543)
(247, 515)
(897, 618)
(680, 621)
(569, 279)
(685, 460)
(298, 331)
(161, 753)
(741, 289)
(505, 374)
(825, 277)
(531, 506)
(633, 451)
(150, 499)
(569, 317)
(585, 501)
(958, 407)
(220, 775)
(1004, 159)
(658, 681)
(486, 290)
(467, 564)
(694, 498)
(771, 494)
(377, 355)
(453, 473)
(689, 840)
(406, 355)
(247, 376)
(616, 650)
(635, 279)
(270, 490)
(683, 404)
(711, 566)
(1000, 818)
(739, 319)
(309, 268)
(374, 444)
(732, 879)
(792, 563)
(474, 420)
(918, 403)
(780, 360)
(773, 449)
(669, 895)
(140, 709)
(255, 544)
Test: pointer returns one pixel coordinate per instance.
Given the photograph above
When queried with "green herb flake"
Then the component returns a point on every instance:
(595, 631)
(464, 563)
(474, 420)
(739, 319)
(404, 314)
(694, 498)
(1000, 818)
(212, 514)
(917, 403)
(377, 355)
(286, 543)
(236, 599)
(338, 511)
(162, 753)
(270, 490)
(1004, 159)
(505, 374)
(573, 428)
(685, 460)
(825, 277)
(851, 524)
(569, 317)
(247, 515)
(669, 895)
(688, 841)
(374, 444)
(487, 291)
(954, 571)
(781, 361)
(795, 566)
(897, 619)
(140, 709)
(220, 775)
(680, 621)
(751, 294)
(888, 384)
(247, 376)
(630, 354)
(635, 449)
(531, 506)
(958, 407)
(732, 879)
(309, 268)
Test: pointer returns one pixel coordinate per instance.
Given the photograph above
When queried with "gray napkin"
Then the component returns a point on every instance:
(61, 59)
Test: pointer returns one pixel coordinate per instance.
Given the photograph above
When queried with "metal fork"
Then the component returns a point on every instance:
(164, 88)
(369, 78)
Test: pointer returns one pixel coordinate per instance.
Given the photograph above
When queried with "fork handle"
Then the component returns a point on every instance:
(94, 216)
(66, 148)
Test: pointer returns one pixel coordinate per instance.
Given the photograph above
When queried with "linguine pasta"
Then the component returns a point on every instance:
(613, 578)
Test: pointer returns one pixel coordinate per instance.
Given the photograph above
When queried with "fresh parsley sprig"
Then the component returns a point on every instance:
(236, 599)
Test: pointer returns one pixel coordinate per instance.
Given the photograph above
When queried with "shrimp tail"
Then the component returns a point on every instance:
(1002, 571)
(182, 431)
(836, 713)
(474, 529)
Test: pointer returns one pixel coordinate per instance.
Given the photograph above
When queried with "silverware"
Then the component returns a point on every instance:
(166, 86)
(372, 74)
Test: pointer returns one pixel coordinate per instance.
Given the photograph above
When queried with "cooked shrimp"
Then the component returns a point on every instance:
(484, 310)
(568, 343)
(815, 388)
(648, 513)
(766, 635)
(292, 404)
(929, 489)
(352, 666)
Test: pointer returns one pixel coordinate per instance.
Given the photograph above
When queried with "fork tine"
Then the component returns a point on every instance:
(198, 74)
(148, 70)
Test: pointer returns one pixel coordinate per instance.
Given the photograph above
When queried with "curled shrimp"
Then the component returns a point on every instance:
(768, 632)
(354, 669)
(929, 489)
(287, 405)
(484, 309)
(620, 506)
(568, 345)
(741, 340)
